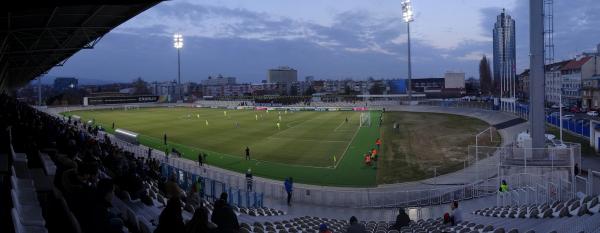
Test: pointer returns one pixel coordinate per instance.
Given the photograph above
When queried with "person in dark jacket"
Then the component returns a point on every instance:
(224, 216)
(401, 220)
(355, 227)
(170, 220)
(199, 222)
(289, 188)
(102, 218)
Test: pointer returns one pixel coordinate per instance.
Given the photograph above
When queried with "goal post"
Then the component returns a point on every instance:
(365, 119)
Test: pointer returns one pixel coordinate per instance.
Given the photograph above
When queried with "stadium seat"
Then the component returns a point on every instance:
(145, 225)
(132, 220)
(19, 227)
(30, 215)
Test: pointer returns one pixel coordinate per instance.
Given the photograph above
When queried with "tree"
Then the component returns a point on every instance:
(140, 87)
(376, 88)
(485, 77)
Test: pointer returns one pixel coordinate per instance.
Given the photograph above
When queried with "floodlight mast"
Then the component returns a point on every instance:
(178, 44)
(407, 15)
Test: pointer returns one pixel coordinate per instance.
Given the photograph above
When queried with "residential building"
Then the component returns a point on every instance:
(523, 85)
(591, 93)
(167, 88)
(219, 80)
(226, 90)
(63, 83)
(282, 74)
(454, 80)
(573, 74)
(553, 81)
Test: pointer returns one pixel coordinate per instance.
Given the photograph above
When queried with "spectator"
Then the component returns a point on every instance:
(289, 188)
(102, 218)
(401, 220)
(170, 219)
(447, 219)
(249, 179)
(576, 169)
(172, 188)
(224, 216)
(456, 213)
(323, 228)
(503, 186)
(355, 227)
(199, 222)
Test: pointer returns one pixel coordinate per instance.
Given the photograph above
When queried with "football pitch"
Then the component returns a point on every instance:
(303, 147)
(313, 147)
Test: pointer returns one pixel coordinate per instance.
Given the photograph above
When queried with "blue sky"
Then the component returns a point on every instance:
(325, 39)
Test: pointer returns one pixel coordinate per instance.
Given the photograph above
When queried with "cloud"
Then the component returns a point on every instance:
(354, 43)
(473, 56)
(400, 39)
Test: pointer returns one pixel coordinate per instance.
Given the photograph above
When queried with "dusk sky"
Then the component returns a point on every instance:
(326, 39)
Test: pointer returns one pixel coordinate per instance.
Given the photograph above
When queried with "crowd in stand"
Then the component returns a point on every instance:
(91, 171)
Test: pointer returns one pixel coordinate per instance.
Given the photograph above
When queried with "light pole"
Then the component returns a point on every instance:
(407, 15)
(178, 44)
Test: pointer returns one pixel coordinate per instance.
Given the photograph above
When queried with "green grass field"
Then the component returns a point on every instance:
(305, 144)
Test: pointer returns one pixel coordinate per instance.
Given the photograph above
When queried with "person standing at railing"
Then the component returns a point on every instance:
(249, 180)
(503, 186)
(289, 183)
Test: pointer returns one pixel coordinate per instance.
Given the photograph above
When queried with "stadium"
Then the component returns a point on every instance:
(361, 163)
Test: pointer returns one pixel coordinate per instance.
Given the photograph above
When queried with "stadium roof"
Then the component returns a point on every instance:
(38, 35)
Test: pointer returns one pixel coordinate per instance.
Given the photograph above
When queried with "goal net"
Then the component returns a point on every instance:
(365, 119)
(130, 107)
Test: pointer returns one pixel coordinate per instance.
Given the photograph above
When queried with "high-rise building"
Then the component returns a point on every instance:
(505, 59)
(283, 74)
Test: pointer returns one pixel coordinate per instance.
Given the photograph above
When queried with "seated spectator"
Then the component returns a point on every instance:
(456, 213)
(79, 188)
(447, 219)
(355, 227)
(103, 219)
(401, 220)
(224, 216)
(172, 188)
(323, 228)
(199, 222)
(170, 219)
(193, 198)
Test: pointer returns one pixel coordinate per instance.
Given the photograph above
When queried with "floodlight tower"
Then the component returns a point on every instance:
(407, 15)
(178, 44)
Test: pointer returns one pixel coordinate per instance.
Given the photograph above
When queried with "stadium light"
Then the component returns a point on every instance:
(178, 44)
(407, 15)
(407, 12)
(178, 41)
